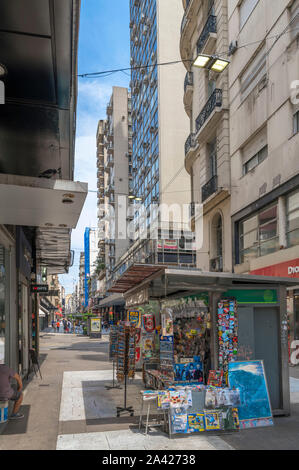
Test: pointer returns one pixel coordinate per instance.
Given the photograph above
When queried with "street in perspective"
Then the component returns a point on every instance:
(149, 228)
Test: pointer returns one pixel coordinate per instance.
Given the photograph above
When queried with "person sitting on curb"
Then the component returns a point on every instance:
(9, 391)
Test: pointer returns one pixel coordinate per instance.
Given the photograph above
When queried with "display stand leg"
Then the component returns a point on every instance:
(128, 409)
(109, 387)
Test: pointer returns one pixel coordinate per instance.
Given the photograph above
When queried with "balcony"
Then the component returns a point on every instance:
(110, 161)
(190, 143)
(216, 264)
(209, 112)
(209, 188)
(207, 39)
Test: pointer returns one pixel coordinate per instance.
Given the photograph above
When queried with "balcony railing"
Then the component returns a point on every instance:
(210, 27)
(188, 80)
(209, 188)
(213, 102)
(190, 143)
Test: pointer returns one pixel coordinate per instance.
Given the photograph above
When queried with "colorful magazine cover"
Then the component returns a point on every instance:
(213, 420)
(196, 422)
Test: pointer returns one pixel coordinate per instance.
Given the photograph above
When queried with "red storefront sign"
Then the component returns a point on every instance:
(286, 269)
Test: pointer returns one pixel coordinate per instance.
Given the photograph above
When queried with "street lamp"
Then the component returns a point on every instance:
(211, 62)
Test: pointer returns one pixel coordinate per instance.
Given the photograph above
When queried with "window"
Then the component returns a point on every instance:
(255, 160)
(296, 123)
(255, 73)
(259, 234)
(293, 219)
(246, 9)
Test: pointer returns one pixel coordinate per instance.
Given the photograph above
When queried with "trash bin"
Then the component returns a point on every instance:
(3, 411)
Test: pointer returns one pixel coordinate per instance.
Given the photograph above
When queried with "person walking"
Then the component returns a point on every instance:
(58, 326)
(9, 391)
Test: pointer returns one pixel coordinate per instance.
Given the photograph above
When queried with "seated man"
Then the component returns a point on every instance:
(9, 391)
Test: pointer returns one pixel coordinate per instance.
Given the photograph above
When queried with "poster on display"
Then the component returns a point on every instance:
(189, 371)
(95, 325)
(133, 317)
(212, 420)
(196, 422)
(215, 378)
(148, 346)
(249, 377)
(167, 322)
(179, 422)
(149, 322)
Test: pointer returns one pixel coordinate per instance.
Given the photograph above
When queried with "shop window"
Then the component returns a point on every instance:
(293, 219)
(258, 158)
(255, 73)
(259, 234)
(296, 123)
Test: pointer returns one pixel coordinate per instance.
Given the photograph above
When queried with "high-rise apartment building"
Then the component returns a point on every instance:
(204, 30)
(159, 130)
(114, 160)
(264, 140)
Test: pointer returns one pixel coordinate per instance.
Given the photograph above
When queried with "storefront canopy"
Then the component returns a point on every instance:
(163, 281)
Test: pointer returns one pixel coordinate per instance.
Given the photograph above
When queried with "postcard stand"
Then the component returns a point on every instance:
(114, 385)
(112, 356)
(125, 408)
(125, 361)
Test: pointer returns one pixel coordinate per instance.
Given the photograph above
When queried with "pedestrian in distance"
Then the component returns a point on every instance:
(10, 391)
(58, 326)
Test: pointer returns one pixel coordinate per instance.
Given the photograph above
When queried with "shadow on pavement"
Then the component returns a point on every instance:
(18, 426)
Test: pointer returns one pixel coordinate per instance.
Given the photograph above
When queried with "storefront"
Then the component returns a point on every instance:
(204, 339)
(8, 319)
(287, 269)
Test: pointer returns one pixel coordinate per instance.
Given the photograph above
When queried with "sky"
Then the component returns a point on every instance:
(103, 45)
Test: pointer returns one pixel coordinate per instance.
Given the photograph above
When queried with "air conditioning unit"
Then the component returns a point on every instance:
(145, 30)
(232, 47)
(142, 18)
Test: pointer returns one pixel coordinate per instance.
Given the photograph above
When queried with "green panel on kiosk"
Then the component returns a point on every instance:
(253, 296)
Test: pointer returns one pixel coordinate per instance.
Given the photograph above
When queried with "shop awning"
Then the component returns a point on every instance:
(164, 281)
(113, 299)
(40, 202)
(41, 313)
(134, 275)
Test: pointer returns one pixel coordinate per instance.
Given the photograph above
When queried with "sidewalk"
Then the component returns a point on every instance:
(71, 408)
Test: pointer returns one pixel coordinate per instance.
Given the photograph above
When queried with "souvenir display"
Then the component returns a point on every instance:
(213, 420)
(167, 322)
(149, 322)
(229, 418)
(254, 408)
(179, 422)
(189, 371)
(196, 422)
(125, 361)
(148, 346)
(166, 356)
(164, 399)
(217, 397)
(215, 378)
(180, 398)
(228, 334)
(113, 342)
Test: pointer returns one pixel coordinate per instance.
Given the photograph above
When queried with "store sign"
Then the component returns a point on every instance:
(253, 296)
(36, 288)
(51, 293)
(286, 269)
(167, 244)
